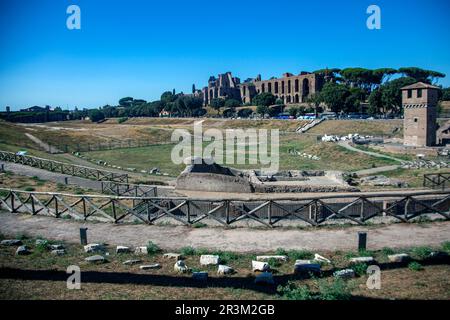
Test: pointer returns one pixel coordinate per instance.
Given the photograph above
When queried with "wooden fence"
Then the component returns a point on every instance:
(355, 208)
(63, 168)
(437, 180)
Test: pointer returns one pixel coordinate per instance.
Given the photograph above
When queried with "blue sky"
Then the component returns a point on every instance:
(141, 48)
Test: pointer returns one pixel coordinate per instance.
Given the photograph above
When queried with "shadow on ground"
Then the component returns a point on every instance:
(182, 281)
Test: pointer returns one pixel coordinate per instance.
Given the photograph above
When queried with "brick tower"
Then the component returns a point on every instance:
(419, 104)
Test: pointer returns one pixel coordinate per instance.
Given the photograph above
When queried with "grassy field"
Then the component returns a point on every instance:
(41, 275)
(332, 157)
(392, 128)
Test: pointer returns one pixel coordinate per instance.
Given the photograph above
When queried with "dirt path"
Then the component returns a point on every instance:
(51, 176)
(367, 172)
(347, 146)
(239, 239)
(42, 144)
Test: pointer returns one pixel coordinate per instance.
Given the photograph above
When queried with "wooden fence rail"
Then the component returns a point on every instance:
(64, 168)
(437, 180)
(353, 208)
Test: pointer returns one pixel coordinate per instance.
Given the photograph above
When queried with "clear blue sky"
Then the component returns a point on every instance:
(141, 48)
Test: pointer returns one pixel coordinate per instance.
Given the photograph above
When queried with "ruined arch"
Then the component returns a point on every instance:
(276, 87)
(263, 87)
(296, 85)
(297, 100)
(282, 87)
(305, 88)
(269, 87)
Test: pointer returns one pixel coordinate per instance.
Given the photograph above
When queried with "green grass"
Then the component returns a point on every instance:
(332, 157)
(153, 248)
(415, 266)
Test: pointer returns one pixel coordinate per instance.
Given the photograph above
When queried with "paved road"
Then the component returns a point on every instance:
(398, 235)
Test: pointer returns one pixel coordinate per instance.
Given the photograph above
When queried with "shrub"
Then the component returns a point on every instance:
(300, 254)
(446, 246)
(187, 251)
(29, 189)
(293, 292)
(226, 256)
(422, 252)
(415, 266)
(360, 268)
(122, 120)
(281, 252)
(42, 247)
(387, 251)
(153, 248)
(199, 225)
(274, 263)
(338, 289)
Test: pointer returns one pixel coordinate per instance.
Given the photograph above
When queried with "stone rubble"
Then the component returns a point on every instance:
(223, 270)
(266, 258)
(180, 267)
(10, 242)
(95, 259)
(260, 266)
(150, 266)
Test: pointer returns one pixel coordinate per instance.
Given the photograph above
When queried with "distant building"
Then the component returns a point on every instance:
(34, 109)
(419, 104)
(165, 114)
(290, 88)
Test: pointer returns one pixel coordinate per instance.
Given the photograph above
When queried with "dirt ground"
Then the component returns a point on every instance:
(238, 240)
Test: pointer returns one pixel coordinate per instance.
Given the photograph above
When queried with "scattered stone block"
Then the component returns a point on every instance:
(172, 255)
(95, 259)
(141, 250)
(438, 255)
(306, 266)
(150, 266)
(56, 247)
(22, 250)
(344, 274)
(40, 242)
(264, 278)
(401, 257)
(10, 242)
(267, 258)
(58, 252)
(200, 276)
(180, 267)
(94, 247)
(362, 260)
(122, 249)
(131, 262)
(209, 259)
(318, 257)
(223, 269)
(260, 266)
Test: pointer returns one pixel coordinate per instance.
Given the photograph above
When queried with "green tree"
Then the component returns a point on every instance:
(391, 96)
(422, 75)
(232, 103)
(262, 110)
(334, 96)
(217, 104)
(264, 99)
(96, 115)
(375, 102)
(445, 94)
(126, 102)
